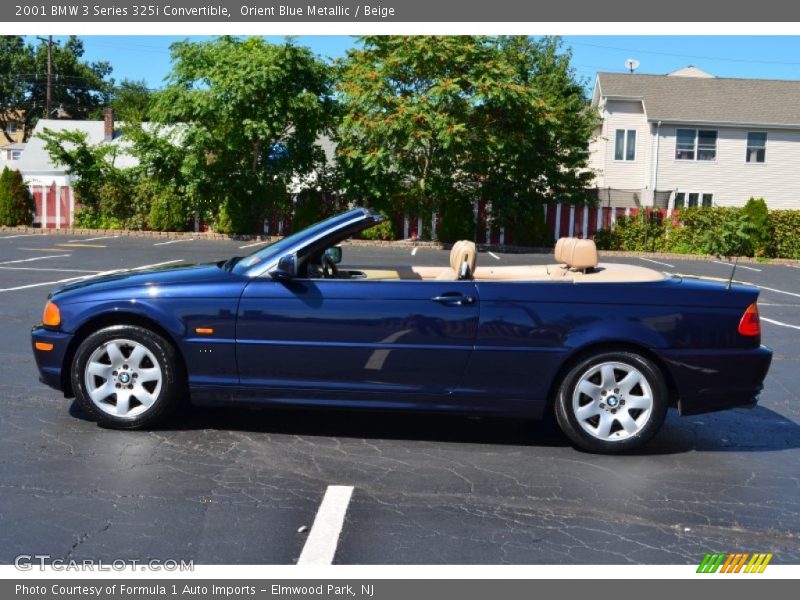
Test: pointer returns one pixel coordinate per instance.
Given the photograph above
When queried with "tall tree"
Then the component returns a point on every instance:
(247, 114)
(131, 101)
(16, 60)
(443, 121)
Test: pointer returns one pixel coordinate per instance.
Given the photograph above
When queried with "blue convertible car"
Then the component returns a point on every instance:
(607, 347)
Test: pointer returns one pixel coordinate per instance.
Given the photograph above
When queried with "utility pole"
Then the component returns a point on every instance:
(48, 106)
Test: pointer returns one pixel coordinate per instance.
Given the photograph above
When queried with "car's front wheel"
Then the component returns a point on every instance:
(612, 402)
(127, 377)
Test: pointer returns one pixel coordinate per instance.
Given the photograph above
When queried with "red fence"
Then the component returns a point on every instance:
(55, 205)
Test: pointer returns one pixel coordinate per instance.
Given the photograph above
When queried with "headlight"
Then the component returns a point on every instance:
(52, 315)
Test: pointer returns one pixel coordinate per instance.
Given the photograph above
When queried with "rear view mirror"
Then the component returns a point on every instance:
(286, 268)
(335, 254)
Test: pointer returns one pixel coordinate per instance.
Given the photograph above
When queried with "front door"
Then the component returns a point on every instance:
(351, 337)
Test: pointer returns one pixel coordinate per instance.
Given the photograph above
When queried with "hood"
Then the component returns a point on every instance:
(162, 277)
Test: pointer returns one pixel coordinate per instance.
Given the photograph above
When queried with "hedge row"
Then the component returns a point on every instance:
(724, 231)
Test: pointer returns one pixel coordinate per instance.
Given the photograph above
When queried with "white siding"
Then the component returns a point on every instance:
(730, 178)
(622, 174)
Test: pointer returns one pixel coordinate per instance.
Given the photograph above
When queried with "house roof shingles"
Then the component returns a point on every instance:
(709, 99)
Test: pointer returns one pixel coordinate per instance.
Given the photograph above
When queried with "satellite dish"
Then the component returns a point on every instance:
(631, 64)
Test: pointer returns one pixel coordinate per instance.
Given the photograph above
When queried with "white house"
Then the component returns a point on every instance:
(692, 139)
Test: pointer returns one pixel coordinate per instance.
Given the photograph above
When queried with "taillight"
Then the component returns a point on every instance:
(51, 316)
(750, 323)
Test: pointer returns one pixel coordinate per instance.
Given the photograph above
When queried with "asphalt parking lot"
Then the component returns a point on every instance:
(234, 486)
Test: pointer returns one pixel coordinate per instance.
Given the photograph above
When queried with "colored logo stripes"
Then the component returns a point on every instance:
(734, 563)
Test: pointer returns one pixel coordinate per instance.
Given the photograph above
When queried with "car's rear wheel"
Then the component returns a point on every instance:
(612, 402)
(127, 377)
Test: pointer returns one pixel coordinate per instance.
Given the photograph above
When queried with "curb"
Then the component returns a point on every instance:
(183, 235)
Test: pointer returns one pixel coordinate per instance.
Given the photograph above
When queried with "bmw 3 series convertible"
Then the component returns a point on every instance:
(608, 348)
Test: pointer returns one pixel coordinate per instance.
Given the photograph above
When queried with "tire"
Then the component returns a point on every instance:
(601, 411)
(129, 360)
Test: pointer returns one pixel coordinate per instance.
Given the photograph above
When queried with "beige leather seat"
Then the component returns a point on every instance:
(463, 258)
(564, 248)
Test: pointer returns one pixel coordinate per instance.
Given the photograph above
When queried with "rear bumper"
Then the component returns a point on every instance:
(49, 362)
(711, 380)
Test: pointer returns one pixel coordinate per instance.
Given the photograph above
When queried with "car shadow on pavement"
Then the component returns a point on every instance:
(756, 430)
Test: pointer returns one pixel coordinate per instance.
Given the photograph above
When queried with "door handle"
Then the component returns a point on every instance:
(454, 299)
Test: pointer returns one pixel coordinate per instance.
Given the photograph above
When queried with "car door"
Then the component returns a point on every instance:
(355, 337)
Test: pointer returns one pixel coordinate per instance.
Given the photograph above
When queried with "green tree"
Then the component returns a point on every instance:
(16, 60)
(91, 164)
(16, 203)
(131, 101)
(245, 116)
(439, 122)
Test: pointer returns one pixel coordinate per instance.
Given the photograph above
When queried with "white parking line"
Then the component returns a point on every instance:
(738, 266)
(780, 323)
(493, 255)
(250, 245)
(94, 239)
(173, 242)
(658, 262)
(414, 250)
(98, 274)
(769, 289)
(22, 260)
(11, 237)
(323, 538)
(46, 269)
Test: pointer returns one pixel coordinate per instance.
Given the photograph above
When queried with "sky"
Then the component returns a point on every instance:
(767, 57)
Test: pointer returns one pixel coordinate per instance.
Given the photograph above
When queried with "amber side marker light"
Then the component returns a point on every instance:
(44, 346)
(52, 316)
(750, 324)
(204, 330)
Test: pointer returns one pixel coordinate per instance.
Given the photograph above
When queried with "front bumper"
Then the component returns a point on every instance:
(711, 380)
(50, 362)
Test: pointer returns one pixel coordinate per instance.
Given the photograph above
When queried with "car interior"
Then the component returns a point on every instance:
(576, 261)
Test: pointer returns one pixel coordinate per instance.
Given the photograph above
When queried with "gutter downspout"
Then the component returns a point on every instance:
(655, 162)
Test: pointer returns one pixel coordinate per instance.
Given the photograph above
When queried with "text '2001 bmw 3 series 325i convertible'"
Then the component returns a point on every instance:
(607, 347)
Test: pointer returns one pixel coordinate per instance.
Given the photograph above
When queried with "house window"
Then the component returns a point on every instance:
(756, 146)
(15, 154)
(693, 199)
(625, 145)
(696, 144)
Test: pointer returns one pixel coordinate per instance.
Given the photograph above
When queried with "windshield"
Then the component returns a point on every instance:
(278, 248)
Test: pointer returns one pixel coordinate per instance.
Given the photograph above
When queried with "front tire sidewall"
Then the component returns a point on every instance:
(568, 422)
(171, 387)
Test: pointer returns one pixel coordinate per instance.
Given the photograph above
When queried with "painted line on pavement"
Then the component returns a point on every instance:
(493, 255)
(414, 251)
(75, 245)
(738, 266)
(779, 323)
(253, 244)
(658, 262)
(22, 260)
(82, 277)
(11, 237)
(323, 538)
(173, 242)
(94, 239)
(47, 269)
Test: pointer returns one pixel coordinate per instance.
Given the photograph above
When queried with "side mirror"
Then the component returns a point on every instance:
(335, 254)
(286, 268)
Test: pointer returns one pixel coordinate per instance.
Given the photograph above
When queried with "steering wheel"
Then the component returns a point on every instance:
(329, 268)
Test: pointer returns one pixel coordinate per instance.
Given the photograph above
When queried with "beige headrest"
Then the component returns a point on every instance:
(566, 249)
(559, 250)
(463, 251)
(581, 255)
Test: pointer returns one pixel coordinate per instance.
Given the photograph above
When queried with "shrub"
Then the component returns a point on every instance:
(785, 227)
(381, 231)
(16, 203)
(167, 212)
(530, 228)
(760, 227)
(457, 220)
